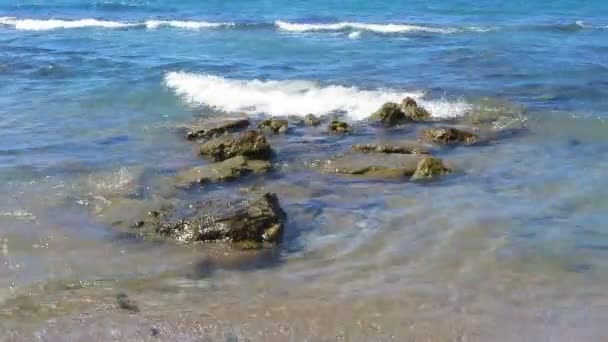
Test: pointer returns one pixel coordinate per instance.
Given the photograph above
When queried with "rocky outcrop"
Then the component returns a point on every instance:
(414, 112)
(311, 120)
(252, 223)
(402, 147)
(274, 126)
(430, 167)
(250, 144)
(385, 166)
(449, 136)
(339, 127)
(392, 114)
(228, 169)
(211, 128)
(374, 165)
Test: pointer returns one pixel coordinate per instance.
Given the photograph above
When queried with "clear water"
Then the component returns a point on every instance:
(513, 248)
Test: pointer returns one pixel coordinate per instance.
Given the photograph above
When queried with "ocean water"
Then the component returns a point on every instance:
(512, 247)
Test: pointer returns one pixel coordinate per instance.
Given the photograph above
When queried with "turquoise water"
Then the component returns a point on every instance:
(91, 93)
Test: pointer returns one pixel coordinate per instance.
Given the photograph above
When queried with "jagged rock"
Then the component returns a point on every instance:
(210, 128)
(414, 112)
(390, 114)
(403, 147)
(408, 102)
(385, 166)
(449, 136)
(274, 126)
(339, 127)
(250, 144)
(222, 171)
(248, 224)
(430, 167)
(311, 120)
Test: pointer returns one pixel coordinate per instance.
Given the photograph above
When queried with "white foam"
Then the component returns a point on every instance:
(52, 24)
(190, 25)
(354, 35)
(380, 28)
(278, 98)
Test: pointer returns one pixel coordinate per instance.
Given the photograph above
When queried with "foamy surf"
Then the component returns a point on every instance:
(379, 28)
(279, 98)
(54, 24)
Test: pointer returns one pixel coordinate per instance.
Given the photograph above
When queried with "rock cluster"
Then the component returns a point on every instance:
(234, 151)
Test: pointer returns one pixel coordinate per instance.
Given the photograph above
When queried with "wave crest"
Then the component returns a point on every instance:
(379, 28)
(279, 98)
(53, 24)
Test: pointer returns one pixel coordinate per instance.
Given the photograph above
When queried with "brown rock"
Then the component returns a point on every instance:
(274, 126)
(339, 127)
(210, 128)
(449, 136)
(228, 169)
(250, 144)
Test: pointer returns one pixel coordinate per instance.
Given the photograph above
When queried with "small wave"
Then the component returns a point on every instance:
(576, 26)
(354, 35)
(191, 25)
(279, 98)
(53, 24)
(379, 28)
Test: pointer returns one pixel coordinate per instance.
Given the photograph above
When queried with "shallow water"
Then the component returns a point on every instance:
(510, 247)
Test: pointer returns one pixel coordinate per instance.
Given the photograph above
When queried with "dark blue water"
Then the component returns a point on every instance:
(91, 93)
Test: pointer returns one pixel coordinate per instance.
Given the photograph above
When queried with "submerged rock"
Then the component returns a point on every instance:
(249, 144)
(385, 166)
(222, 171)
(374, 165)
(311, 120)
(339, 127)
(402, 147)
(211, 128)
(449, 136)
(274, 125)
(430, 167)
(390, 114)
(248, 224)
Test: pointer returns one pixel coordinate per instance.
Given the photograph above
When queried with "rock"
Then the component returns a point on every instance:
(250, 144)
(387, 166)
(449, 136)
(124, 302)
(339, 127)
(414, 112)
(218, 172)
(274, 125)
(311, 120)
(374, 165)
(210, 128)
(390, 114)
(403, 147)
(408, 102)
(248, 224)
(430, 167)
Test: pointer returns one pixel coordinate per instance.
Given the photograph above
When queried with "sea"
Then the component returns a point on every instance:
(513, 246)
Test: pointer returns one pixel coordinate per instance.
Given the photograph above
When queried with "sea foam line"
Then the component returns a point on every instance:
(379, 28)
(54, 24)
(279, 98)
